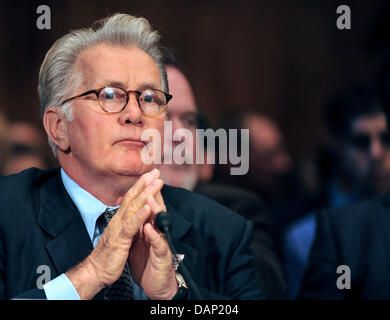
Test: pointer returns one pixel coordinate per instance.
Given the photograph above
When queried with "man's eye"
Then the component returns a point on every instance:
(189, 122)
(361, 142)
(109, 94)
(147, 98)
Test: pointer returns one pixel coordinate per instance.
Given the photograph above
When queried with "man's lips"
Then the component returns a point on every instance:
(131, 142)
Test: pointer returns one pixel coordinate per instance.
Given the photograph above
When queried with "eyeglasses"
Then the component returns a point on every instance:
(152, 102)
(363, 142)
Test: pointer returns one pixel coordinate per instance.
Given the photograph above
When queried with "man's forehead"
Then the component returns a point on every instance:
(108, 65)
(369, 122)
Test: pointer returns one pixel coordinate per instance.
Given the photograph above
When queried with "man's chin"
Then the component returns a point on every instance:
(131, 168)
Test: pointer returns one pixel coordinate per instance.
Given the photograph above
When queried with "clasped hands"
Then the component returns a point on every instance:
(131, 236)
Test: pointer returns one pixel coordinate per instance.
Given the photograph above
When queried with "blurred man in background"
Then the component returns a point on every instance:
(273, 174)
(359, 168)
(27, 147)
(183, 113)
(357, 237)
(269, 158)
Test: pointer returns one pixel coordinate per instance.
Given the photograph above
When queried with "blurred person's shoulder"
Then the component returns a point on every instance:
(228, 192)
(355, 218)
(243, 201)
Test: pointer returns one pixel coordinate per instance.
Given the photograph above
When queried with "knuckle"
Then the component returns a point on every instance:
(133, 223)
(133, 208)
(130, 209)
(129, 223)
(157, 209)
(129, 195)
(143, 179)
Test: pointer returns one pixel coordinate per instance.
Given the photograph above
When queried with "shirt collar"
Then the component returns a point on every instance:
(89, 207)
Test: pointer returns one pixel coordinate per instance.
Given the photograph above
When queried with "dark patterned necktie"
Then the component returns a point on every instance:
(122, 288)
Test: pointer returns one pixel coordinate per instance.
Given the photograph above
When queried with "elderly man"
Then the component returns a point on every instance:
(90, 225)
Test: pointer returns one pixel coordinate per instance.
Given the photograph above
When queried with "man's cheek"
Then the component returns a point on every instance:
(362, 165)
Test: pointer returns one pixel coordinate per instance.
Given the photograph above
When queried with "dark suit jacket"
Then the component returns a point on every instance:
(40, 225)
(249, 205)
(357, 236)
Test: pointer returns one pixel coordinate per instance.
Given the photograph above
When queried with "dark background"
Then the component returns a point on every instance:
(282, 57)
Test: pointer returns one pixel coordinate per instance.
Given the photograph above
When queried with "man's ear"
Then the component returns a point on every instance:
(54, 122)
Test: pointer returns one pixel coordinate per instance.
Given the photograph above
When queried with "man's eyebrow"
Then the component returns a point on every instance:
(149, 85)
(143, 86)
(114, 83)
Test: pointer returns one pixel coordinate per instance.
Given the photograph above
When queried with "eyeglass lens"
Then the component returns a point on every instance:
(114, 100)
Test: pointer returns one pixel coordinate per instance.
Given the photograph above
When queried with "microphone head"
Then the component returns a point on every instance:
(163, 222)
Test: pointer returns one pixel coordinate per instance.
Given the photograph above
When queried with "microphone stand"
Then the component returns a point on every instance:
(163, 223)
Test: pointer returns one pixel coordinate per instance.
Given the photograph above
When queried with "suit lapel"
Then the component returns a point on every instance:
(60, 218)
(180, 227)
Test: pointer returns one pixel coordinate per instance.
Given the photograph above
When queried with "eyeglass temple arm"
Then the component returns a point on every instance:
(82, 95)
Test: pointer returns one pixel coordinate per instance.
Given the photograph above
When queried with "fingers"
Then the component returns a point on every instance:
(133, 212)
(160, 201)
(134, 224)
(150, 190)
(159, 245)
(145, 180)
(136, 204)
(154, 205)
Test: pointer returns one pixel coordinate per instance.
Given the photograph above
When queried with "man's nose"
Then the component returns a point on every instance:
(132, 112)
(376, 149)
(176, 125)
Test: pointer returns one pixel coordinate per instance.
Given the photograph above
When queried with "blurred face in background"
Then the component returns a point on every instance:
(15, 164)
(269, 159)
(26, 133)
(27, 147)
(182, 112)
(366, 153)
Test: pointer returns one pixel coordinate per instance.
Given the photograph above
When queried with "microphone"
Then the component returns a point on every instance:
(163, 223)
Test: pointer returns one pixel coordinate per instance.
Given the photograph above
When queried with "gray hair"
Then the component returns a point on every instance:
(58, 79)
